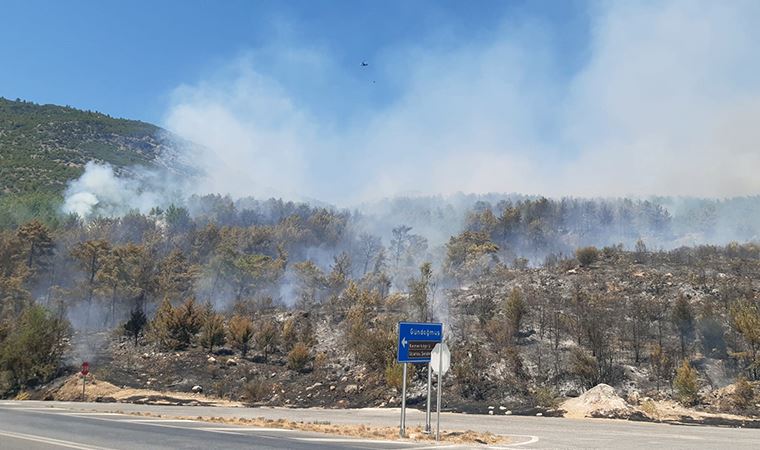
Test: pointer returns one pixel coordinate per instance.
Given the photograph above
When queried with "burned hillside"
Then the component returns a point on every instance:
(270, 302)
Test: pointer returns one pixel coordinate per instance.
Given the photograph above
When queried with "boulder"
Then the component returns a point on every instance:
(351, 389)
(601, 400)
(197, 389)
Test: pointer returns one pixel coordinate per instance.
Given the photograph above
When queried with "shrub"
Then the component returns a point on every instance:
(394, 374)
(585, 367)
(545, 397)
(257, 390)
(587, 255)
(743, 395)
(319, 361)
(298, 357)
(686, 384)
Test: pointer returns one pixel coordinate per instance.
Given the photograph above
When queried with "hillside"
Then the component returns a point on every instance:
(44, 146)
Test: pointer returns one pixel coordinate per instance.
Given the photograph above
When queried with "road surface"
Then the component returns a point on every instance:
(55, 425)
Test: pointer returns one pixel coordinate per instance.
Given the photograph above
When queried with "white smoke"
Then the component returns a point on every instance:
(101, 192)
(663, 104)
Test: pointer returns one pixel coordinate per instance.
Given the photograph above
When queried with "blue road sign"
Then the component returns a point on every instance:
(416, 341)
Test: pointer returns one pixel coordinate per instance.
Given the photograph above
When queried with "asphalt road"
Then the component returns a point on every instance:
(94, 425)
(48, 427)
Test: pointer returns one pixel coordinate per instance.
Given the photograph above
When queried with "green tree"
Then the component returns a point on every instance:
(686, 384)
(515, 309)
(135, 325)
(420, 291)
(36, 239)
(745, 318)
(32, 351)
(661, 364)
(91, 256)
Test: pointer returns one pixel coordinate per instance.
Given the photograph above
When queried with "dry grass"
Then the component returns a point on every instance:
(355, 431)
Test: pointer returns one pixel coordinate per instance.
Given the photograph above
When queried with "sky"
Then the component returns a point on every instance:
(587, 98)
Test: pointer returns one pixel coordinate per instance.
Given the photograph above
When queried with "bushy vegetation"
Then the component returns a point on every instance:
(31, 347)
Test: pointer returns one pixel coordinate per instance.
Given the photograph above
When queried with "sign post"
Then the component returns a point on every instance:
(85, 371)
(440, 361)
(402, 429)
(427, 413)
(415, 342)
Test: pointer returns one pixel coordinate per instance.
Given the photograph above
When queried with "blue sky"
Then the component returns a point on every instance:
(595, 98)
(125, 58)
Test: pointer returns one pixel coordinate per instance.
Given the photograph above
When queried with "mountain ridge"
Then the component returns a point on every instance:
(43, 147)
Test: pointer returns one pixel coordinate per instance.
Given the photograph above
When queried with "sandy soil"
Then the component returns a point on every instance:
(97, 390)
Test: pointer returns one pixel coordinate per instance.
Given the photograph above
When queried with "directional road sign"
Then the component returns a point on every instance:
(416, 341)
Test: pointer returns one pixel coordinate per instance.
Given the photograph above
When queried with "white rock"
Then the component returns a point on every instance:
(351, 388)
(539, 414)
(211, 360)
(490, 413)
(508, 413)
(197, 389)
(231, 362)
(490, 407)
(502, 408)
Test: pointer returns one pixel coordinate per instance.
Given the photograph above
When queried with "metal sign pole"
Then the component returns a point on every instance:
(440, 388)
(84, 383)
(429, 388)
(403, 403)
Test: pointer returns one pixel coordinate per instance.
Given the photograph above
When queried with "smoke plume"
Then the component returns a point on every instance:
(663, 103)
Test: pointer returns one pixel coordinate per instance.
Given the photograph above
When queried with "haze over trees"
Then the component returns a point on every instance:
(540, 297)
(219, 275)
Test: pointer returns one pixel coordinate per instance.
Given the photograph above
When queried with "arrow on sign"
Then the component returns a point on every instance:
(403, 342)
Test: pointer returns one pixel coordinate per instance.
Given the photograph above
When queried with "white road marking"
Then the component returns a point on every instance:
(51, 441)
(28, 408)
(353, 440)
(240, 428)
(163, 421)
(531, 440)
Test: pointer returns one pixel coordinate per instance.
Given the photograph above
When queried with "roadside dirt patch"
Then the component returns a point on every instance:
(103, 391)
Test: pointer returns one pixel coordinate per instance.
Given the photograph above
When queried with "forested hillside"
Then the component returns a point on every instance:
(42, 147)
